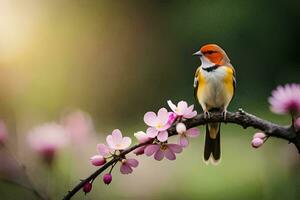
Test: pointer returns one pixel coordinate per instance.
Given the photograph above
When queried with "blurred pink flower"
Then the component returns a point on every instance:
(107, 178)
(116, 141)
(182, 109)
(286, 99)
(3, 132)
(163, 150)
(158, 124)
(184, 134)
(78, 126)
(127, 165)
(47, 139)
(257, 142)
(87, 187)
(100, 159)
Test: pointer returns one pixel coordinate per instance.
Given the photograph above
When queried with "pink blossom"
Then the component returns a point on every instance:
(107, 178)
(3, 132)
(127, 165)
(98, 160)
(78, 125)
(172, 118)
(47, 139)
(87, 187)
(286, 99)
(163, 150)
(182, 109)
(158, 124)
(116, 141)
(184, 134)
(257, 142)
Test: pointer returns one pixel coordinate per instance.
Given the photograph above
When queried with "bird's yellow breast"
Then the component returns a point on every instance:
(215, 88)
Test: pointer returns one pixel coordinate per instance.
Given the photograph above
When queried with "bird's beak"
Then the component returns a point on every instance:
(198, 53)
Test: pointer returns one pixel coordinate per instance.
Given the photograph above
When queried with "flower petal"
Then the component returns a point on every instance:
(126, 141)
(175, 148)
(152, 132)
(141, 137)
(190, 115)
(103, 149)
(171, 105)
(162, 116)
(183, 141)
(159, 155)
(193, 132)
(150, 118)
(151, 149)
(132, 162)
(116, 136)
(139, 151)
(125, 168)
(162, 136)
(109, 141)
(182, 106)
(170, 155)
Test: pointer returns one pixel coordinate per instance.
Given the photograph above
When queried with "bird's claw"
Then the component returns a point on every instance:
(206, 115)
(224, 114)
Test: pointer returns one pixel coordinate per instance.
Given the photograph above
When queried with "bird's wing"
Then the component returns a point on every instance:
(196, 83)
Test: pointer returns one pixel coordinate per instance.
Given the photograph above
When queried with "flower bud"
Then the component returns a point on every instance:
(107, 178)
(87, 187)
(259, 135)
(257, 142)
(180, 128)
(172, 118)
(97, 160)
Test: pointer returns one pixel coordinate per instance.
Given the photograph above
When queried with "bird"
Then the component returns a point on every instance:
(214, 88)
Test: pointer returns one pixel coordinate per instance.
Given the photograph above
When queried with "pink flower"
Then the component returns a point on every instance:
(158, 124)
(184, 134)
(142, 138)
(116, 141)
(98, 160)
(127, 165)
(172, 118)
(182, 109)
(257, 142)
(3, 132)
(87, 187)
(47, 139)
(107, 178)
(286, 99)
(163, 150)
(79, 126)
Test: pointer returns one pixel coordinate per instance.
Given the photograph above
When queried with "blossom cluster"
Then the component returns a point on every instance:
(153, 142)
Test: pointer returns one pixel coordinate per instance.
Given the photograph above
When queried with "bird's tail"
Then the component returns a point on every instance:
(212, 148)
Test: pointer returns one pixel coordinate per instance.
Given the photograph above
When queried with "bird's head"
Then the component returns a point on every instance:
(212, 54)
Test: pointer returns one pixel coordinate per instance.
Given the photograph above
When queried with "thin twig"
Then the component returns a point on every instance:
(240, 118)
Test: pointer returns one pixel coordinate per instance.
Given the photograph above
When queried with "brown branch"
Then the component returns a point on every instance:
(241, 118)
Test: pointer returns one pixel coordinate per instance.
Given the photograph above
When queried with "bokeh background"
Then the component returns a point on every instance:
(115, 60)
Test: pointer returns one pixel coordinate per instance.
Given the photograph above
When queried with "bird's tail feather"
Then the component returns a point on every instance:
(212, 148)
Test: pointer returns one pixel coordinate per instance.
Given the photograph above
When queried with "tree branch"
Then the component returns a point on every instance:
(240, 118)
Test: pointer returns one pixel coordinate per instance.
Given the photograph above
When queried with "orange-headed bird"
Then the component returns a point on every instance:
(214, 85)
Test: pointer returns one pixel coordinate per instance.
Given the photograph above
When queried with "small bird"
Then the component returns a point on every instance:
(214, 87)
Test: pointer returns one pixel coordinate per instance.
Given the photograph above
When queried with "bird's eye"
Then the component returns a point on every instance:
(210, 52)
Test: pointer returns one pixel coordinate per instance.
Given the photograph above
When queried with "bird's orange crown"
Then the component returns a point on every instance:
(214, 54)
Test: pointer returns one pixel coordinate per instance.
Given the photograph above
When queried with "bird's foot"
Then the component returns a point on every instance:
(206, 115)
(224, 114)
